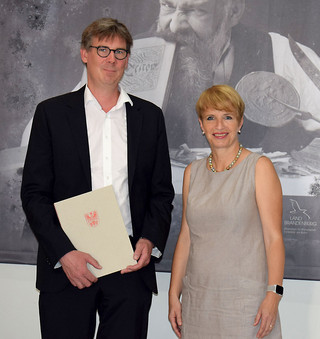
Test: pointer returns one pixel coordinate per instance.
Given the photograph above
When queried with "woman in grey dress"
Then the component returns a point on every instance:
(229, 259)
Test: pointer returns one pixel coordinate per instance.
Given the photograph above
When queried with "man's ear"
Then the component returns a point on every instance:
(84, 55)
(127, 61)
(236, 11)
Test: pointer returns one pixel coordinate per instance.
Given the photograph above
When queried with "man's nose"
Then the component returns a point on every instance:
(179, 22)
(111, 57)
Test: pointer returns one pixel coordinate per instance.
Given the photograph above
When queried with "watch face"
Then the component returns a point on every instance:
(279, 289)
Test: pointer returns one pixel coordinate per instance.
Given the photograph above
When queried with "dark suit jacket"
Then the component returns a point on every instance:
(57, 167)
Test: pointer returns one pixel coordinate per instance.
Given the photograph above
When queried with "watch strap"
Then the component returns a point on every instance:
(275, 289)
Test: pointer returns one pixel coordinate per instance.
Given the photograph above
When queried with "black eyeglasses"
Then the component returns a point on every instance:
(104, 51)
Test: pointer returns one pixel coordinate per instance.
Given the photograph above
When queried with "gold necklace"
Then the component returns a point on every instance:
(229, 166)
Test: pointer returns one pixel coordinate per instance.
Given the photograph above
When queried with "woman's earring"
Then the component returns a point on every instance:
(239, 132)
(203, 133)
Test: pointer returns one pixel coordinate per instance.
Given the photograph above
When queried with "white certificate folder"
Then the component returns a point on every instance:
(94, 224)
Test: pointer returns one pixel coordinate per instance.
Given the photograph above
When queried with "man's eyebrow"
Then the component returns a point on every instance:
(198, 5)
(175, 5)
(167, 2)
(186, 6)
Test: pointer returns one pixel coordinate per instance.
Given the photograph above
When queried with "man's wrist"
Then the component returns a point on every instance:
(143, 238)
(155, 251)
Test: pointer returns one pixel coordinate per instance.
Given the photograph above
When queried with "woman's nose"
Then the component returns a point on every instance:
(219, 123)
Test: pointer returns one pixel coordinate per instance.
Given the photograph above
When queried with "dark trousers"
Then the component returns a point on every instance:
(122, 301)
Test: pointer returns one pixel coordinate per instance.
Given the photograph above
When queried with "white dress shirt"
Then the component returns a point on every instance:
(107, 135)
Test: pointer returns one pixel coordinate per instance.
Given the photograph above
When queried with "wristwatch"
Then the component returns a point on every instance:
(275, 289)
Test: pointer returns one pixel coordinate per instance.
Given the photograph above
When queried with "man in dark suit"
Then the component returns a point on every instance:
(82, 141)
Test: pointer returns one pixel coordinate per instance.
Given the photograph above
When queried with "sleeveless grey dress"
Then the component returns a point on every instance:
(226, 275)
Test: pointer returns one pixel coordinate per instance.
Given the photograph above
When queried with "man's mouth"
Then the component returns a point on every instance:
(183, 39)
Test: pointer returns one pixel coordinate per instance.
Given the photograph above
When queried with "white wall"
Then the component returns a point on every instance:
(299, 308)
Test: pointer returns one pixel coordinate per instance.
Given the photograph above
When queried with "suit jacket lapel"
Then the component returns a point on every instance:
(78, 126)
(134, 125)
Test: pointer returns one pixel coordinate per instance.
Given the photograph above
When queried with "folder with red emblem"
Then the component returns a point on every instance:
(94, 224)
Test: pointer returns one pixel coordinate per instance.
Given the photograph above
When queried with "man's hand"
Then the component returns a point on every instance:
(142, 254)
(74, 264)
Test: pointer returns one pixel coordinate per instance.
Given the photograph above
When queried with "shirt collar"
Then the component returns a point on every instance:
(123, 98)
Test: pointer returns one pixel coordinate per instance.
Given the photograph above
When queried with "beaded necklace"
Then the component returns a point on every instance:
(229, 166)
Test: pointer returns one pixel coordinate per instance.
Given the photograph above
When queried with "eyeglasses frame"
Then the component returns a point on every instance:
(110, 50)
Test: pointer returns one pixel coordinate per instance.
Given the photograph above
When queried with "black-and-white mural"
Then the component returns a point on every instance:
(268, 50)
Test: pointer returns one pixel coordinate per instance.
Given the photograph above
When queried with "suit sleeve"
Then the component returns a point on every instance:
(37, 190)
(157, 220)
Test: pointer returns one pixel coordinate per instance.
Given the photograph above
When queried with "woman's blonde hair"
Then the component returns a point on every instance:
(221, 98)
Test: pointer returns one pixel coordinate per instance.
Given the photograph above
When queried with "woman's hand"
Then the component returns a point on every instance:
(267, 314)
(175, 317)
